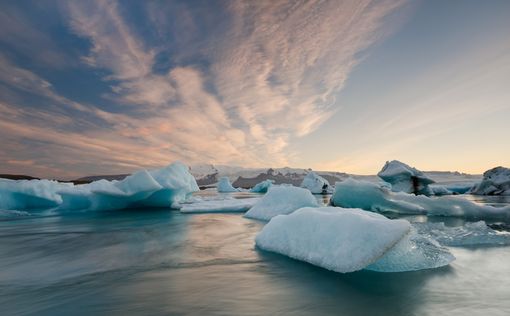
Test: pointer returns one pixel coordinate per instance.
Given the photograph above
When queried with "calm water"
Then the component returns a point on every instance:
(151, 262)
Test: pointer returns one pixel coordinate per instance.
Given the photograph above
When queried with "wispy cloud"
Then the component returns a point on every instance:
(265, 75)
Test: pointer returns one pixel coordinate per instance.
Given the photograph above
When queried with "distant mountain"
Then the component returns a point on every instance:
(207, 175)
(100, 177)
(17, 177)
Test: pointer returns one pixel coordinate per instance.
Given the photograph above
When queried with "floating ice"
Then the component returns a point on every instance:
(372, 197)
(460, 188)
(413, 252)
(219, 206)
(156, 188)
(404, 178)
(470, 234)
(438, 189)
(316, 184)
(495, 181)
(30, 194)
(262, 187)
(224, 186)
(347, 240)
(281, 200)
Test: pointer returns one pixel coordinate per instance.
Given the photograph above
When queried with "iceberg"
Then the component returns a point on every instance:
(496, 181)
(404, 178)
(224, 186)
(438, 189)
(281, 200)
(470, 234)
(30, 194)
(347, 240)
(262, 187)
(156, 188)
(372, 197)
(219, 206)
(460, 188)
(316, 184)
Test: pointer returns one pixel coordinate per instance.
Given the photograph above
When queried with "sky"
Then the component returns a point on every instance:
(107, 87)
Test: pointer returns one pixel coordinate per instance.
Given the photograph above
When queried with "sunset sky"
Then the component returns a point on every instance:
(105, 87)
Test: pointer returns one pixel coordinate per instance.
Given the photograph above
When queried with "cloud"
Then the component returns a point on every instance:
(242, 82)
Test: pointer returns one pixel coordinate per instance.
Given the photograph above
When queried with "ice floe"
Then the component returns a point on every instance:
(262, 187)
(225, 205)
(316, 184)
(224, 186)
(281, 200)
(470, 234)
(495, 181)
(372, 197)
(404, 178)
(347, 240)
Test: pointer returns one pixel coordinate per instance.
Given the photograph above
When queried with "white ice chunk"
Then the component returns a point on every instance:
(404, 178)
(30, 194)
(262, 187)
(224, 186)
(281, 200)
(470, 234)
(495, 181)
(372, 197)
(219, 206)
(316, 184)
(347, 240)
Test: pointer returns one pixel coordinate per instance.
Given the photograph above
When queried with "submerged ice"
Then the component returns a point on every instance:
(470, 234)
(347, 240)
(281, 200)
(373, 197)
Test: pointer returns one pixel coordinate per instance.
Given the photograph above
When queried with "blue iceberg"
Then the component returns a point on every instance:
(347, 240)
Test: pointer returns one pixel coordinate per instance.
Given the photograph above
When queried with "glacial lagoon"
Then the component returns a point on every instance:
(159, 261)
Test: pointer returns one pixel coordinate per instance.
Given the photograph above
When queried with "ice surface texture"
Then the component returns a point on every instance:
(495, 181)
(155, 188)
(347, 240)
(30, 194)
(316, 184)
(404, 178)
(281, 200)
(372, 197)
(224, 186)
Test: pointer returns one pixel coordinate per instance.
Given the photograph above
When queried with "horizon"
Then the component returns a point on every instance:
(95, 88)
(79, 177)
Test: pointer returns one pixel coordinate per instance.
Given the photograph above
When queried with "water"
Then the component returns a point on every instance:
(151, 262)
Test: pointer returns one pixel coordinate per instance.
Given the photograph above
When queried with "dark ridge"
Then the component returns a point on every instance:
(105, 177)
(17, 177)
